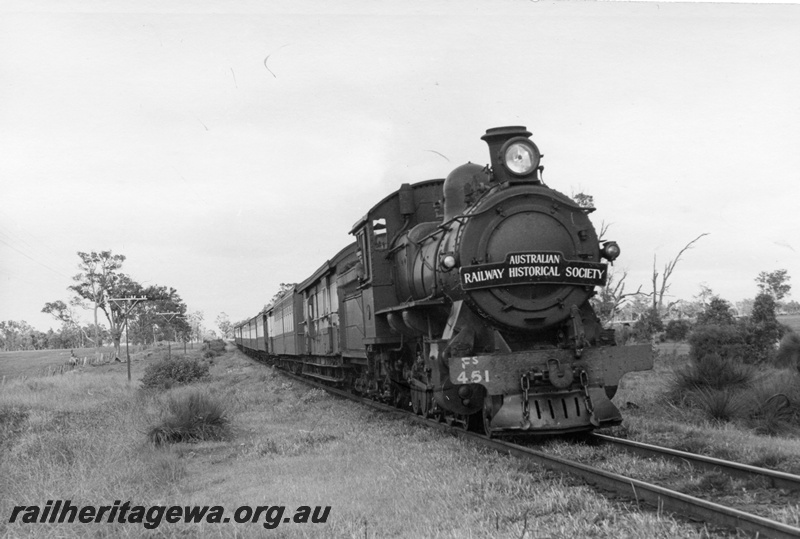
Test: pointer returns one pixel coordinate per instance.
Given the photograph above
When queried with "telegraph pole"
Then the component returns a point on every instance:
(126, 306)
(169, 317)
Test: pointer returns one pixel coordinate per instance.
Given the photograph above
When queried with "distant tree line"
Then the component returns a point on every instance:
(158, 314)
(19, 335)
(710, 318)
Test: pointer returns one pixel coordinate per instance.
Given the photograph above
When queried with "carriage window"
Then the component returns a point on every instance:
(379, 234)
(334, 301)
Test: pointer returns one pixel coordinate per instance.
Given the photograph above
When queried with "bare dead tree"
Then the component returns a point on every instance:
(612, 296)
(660, 290)
(603, 229)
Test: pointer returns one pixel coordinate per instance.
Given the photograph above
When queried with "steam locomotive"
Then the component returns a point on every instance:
(465, 299)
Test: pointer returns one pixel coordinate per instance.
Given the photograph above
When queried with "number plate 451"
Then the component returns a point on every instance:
(471, 371)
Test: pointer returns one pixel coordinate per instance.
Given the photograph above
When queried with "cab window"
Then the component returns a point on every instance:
(379, 234)
(363, 254)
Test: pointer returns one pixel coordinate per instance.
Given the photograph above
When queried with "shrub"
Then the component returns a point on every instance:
(788, 354)
(173, 372)
(725, 341)
(720, 404)
(194, 418)
(763, 329)
(717, 313)
(648, 325)
(677, 330)
(713, 371)
(213, 348)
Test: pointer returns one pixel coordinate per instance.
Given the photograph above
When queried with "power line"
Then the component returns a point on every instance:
(34, 260)
(40, 242)
(40, 247)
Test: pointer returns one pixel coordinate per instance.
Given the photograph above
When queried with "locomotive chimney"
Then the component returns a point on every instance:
(513, 156)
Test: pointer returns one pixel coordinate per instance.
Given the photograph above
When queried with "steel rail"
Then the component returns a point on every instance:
(776, 478)
(663, 499)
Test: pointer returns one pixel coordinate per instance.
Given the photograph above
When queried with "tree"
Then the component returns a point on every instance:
(97, 277)
(648, 325)
(774, 283)
(116, 307)
(636, 307)
(67, 316)
(685, 309)
(610, 299)
(15, 335)
(147, 324)
(224, 325)
(55, 340)
(717, 312)
(583, 200)
(285, 287)
(677, 330)
(97, 286)
(763, 327)
(195, 320)
(659, 291)
(587, 201)
(706, 294)
(39, 340)
(745, 306)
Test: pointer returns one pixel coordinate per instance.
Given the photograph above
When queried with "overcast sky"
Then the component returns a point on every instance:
(225, 147)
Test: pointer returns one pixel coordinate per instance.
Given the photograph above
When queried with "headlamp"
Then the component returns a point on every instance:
(448, 262)
(520, 156)
(610, 251)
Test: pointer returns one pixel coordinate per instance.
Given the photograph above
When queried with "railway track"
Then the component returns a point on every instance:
(661, 498)
(773, 478)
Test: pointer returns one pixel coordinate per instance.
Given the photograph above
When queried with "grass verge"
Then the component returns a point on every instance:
(84, 437)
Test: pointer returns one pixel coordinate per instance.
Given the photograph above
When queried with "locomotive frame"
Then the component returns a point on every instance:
(465, 298)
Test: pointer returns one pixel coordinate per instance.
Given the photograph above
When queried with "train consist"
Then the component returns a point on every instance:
(465, 299)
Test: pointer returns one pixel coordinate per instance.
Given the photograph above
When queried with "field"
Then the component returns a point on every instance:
(35, 362)
(39, 362)
(82, 436)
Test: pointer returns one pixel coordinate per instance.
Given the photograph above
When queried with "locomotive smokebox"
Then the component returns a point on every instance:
(513, 156)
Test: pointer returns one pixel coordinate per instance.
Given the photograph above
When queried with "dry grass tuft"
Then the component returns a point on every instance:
(195, 417)
(713, 372)
(720, 404)
(168, 373)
